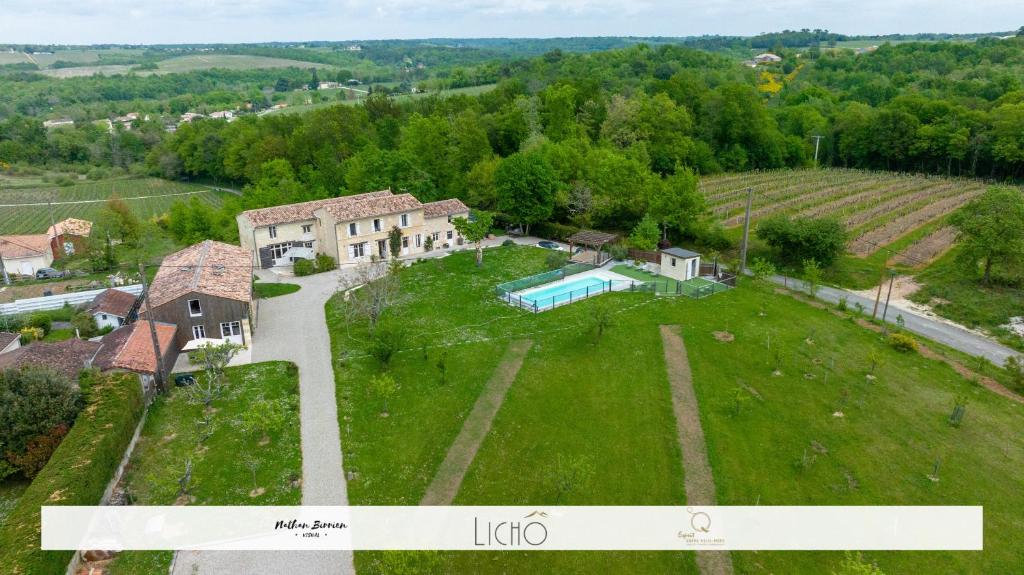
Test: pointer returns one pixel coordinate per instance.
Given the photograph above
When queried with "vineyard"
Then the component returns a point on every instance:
(25, 210)
(877, 208)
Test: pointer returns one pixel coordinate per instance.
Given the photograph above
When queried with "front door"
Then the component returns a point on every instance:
(232, 331)
(693, 268)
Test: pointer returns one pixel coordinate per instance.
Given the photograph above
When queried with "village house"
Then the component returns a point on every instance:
(9, 341)
(69, 236)
(349, 229)
(25, 254)
(68, 357)
(131, 349)
(767, 58)
(206, 291)
(58, 123)
(113, 308)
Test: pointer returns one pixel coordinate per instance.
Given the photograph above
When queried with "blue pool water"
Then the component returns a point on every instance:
(562, 292)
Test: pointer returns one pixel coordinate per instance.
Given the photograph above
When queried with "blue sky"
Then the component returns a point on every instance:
(183, 21)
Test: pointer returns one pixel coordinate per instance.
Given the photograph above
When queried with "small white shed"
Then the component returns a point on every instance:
(680, 264)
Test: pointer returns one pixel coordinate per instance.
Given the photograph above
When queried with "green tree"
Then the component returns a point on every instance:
(33, 402)
(990, 230)
(475, 230)
(383, 386)
(395, 241)
(799, 239)
(812, 276)
(526, 186)
(676, 203)
(645, 235)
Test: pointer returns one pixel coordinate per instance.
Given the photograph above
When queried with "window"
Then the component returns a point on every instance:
(353, 229)
(307, 228)
(194, 309)
(405, 242)
(437, 236)
(377, 225)
(230, 328)
(404, 220)
(277, 250)
(450, 218)
(419, 240)
(357, 250)
(198, 331)
(103, 316)
(449, 234)
(673, 262)
(273, 231)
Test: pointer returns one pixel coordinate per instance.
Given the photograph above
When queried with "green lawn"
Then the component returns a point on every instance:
(268, 290)
(609, 404)
(231, 466)
(693, 287)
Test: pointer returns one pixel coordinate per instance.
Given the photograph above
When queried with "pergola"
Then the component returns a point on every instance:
(594, 240)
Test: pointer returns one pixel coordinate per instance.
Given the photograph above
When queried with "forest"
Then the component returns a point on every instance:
(604, 136)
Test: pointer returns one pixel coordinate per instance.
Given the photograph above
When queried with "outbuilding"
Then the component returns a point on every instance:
(680, 264)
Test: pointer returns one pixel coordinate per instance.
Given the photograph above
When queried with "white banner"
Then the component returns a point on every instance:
(514, 528)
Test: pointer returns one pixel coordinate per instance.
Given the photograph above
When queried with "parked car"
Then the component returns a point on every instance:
(48, 273)
(549, 245)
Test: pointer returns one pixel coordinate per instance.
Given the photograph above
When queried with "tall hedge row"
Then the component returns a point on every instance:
(77, 473)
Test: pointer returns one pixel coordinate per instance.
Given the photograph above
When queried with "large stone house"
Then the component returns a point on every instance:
(206, 291)
(350, 229)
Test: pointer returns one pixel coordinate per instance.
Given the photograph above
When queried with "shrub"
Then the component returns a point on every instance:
(85, 323)
(618, 251)
(555, 260)
(325, 263)
(77, 473)
(304, 267)
(800, 239)
(41, 321)
(33, 403)
(508, 242)
(555, 231)
(902, 342)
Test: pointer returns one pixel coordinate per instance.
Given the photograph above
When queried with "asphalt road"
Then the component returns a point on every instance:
(955, 337)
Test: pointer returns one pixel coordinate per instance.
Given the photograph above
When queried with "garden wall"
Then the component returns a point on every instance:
(78, 472)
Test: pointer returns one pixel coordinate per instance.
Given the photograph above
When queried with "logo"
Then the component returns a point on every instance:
(314, 530)
(511, 534)
(699, 534)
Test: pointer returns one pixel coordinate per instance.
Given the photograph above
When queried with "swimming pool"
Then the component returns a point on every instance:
(565, 291)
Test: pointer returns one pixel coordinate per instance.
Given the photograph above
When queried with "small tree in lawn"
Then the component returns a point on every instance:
(854, 564)
(600, 318)
(762, 270)
(383, 386)
(265, 417)
(569, 474)
(379, 289)
(1015, 367)
(213, 359)
(475, 231)
(812, 276)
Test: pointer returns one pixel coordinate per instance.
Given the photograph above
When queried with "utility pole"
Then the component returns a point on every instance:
(3, 270)
(878, 296)
(817, 142)
(159, 376)
(746, 232)
(885, 310)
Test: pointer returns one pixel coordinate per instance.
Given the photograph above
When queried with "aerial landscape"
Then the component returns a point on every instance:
(613, 255)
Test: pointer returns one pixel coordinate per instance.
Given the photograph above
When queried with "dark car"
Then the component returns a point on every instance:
(48, 273)
(549, 245)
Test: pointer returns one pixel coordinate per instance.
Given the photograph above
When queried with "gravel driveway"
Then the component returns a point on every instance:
(293, 328)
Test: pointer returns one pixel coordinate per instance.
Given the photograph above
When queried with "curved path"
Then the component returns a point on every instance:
(293, 328)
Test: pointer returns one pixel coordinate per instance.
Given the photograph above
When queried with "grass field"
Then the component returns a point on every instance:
(759, 427)
(181, 64)
(24, 210)
(230, 466)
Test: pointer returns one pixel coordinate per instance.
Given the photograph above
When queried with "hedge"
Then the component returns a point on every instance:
(78, 472)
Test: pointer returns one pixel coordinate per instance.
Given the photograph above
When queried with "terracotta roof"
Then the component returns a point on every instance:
(113, 301)
(444, 208)
(131, 347)
(6, 338)
(211, 268)
(71, 227)
(67, 357)
(373, 206)
(300, 212)
(24, 246)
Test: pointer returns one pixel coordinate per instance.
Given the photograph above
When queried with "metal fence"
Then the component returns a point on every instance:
(528, 282)
(666, 287)
(58, 301)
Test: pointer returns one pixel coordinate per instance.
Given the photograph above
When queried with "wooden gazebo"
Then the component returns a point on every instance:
(595, 241)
